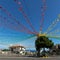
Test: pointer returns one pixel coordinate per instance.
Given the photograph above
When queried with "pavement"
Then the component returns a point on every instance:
(17, 57)
(30, 58)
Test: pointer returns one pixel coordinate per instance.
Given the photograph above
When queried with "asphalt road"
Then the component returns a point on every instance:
(29, 58)
(17, 57)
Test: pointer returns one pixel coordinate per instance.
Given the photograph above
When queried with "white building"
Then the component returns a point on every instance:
(17, 49)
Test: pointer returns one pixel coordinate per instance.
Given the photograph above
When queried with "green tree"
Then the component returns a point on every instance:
(42, 42)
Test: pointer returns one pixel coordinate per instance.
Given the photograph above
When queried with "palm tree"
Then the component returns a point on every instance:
(42, 42)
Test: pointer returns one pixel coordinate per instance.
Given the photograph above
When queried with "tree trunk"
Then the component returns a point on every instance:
(38, 53)
(43, 51)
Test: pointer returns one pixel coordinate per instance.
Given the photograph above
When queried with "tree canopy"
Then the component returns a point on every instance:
(43, 42)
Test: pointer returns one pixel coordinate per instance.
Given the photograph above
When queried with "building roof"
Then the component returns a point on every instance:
(16, 46)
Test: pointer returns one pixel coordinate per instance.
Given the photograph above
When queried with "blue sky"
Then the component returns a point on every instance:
(33, 10)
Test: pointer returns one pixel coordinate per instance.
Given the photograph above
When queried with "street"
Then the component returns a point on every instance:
(18, 57)
(29, 58)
